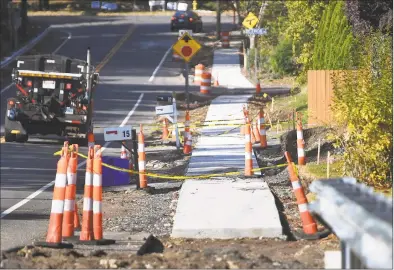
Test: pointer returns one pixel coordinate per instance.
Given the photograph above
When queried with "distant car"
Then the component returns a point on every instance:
(109, 6)
(186, 20)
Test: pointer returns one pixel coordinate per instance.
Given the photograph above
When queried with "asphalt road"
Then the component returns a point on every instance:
(124, 95)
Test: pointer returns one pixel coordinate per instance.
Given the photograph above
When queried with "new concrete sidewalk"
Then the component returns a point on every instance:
(225, 207)
(227, 69)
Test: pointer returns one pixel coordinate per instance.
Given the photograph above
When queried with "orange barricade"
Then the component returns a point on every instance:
(205, 83)
(198, 71)
(225, 39)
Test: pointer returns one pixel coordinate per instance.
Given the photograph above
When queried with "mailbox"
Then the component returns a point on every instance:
(163, 100)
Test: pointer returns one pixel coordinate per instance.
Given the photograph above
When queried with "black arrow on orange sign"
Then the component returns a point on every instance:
(186, 38)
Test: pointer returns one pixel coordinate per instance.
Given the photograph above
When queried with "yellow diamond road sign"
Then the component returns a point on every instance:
(250, 21)
(186, 47)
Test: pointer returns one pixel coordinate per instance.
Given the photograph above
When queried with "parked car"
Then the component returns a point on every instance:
(186, 20)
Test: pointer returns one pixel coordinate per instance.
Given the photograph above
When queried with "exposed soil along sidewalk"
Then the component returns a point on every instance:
(126, 209)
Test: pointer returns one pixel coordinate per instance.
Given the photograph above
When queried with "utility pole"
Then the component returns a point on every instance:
(218, 30)
(23, 13)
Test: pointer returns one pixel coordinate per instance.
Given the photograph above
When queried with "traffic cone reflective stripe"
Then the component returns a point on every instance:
(54, 234)
(87, 216)
(300, 144)
(308, 223)
(142, 160)
(97, 194)
(71, 190)
(248, 151)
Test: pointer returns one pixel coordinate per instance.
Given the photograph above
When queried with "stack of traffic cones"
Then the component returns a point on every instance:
(54, 234)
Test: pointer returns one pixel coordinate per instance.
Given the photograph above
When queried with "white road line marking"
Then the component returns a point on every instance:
(24, 201)
(38, 192)
(160, 64)
(54, 52)
(64, 42)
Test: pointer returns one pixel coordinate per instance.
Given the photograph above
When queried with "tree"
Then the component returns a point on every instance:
(334, 41)
(24, 19)
(303, 21)
(370, 15)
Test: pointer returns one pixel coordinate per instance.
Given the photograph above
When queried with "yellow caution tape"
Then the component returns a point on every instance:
(295, 168)
(179, 177)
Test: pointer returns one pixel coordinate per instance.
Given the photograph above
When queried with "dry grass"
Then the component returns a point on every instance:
(290, 81)
(56, 13)
(135, 13)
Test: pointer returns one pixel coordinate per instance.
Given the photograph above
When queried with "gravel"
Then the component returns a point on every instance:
(139, 210)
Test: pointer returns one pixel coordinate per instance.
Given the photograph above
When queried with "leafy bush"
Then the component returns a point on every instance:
(363, 107)
(282, 58)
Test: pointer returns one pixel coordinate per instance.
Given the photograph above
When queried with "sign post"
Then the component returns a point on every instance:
(169, 110)
(186, 47)
(123, 134)
(176, 123)
(249, 23)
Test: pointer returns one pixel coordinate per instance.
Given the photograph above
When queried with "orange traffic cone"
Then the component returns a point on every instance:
(142, 160)
(308, 223)
(248, 151)
(71, 190)
(165, 129)
(87, 215)
(97, 194)
(187, 129)
(258, 87)
(188, 144)
(300, 144)
(90, 139)
(263, 134)
(216, 82)
(54, 234)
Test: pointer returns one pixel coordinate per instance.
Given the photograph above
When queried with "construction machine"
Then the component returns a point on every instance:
(54, 95)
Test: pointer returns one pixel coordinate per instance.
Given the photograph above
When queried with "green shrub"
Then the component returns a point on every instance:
(363, 107)
(282, 58)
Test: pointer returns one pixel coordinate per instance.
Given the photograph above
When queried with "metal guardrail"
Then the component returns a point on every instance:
(362, 220)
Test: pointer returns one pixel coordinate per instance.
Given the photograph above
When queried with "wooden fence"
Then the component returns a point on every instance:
(320, 93)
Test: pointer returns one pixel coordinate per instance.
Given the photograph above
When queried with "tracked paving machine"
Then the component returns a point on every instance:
(54, 96)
